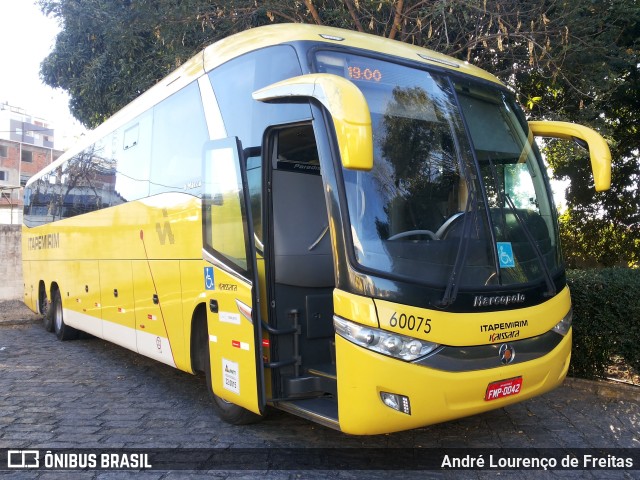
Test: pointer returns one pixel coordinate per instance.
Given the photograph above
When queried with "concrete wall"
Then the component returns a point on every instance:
(11, 285)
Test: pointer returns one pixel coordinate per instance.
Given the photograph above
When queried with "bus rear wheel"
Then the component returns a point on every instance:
(44, 309)
(63, 331)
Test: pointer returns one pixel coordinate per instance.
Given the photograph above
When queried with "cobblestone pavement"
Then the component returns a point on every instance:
(91, 394)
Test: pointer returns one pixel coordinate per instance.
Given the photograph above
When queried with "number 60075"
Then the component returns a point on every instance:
(410, 322)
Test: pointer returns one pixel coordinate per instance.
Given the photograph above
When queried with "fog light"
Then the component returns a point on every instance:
(397, 402)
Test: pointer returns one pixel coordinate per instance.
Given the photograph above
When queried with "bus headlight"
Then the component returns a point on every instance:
(564, 325)
(381, 341)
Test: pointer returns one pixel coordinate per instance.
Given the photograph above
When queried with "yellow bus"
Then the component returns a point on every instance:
(348, 228)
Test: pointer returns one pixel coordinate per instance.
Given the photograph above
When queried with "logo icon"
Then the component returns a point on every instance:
(209, 283)
(23, 459)
(505, 255)
(506, 353)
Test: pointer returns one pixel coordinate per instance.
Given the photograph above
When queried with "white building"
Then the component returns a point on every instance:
(26, 147)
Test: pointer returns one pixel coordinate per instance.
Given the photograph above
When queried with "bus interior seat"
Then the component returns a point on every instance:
(301, 240)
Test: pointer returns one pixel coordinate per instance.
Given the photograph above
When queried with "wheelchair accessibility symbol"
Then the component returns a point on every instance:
(209, 283)
(505, 255)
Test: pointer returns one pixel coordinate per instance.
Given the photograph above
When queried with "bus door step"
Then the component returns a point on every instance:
(323, 410)
(309, 385)
(326, 370)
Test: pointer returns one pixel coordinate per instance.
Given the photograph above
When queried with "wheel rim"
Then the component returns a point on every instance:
(58, 316)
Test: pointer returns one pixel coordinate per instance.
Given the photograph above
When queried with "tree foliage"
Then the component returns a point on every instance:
(574, 60)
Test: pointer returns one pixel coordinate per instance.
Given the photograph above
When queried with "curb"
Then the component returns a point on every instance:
(610, 390)
(14, 312)
(12, 322)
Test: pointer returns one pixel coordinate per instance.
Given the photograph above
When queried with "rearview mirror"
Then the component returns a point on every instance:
(346, 105)
(598, 148)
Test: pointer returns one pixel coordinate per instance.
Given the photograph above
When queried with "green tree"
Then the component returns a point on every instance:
(598, 85)
(571, 60)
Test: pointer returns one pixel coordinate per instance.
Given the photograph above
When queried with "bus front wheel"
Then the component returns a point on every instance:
(227, 411)
(232, 413)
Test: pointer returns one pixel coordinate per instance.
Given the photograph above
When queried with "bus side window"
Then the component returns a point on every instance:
(223, 209)
(130, 151)
(254, 179)
(179, 131)
(235, 81)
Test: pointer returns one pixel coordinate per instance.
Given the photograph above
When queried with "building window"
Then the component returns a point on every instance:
(3, 151)
(3, 176)
(27, 156)
(24, 179)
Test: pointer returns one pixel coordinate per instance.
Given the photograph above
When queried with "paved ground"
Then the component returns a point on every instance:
(91, 394)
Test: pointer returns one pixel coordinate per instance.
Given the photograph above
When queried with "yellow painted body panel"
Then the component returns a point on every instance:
(193, 294)
(231, 337)
(164, 319)
(118, 303)
(255, 38)
(598, 148)
(435, 396)
(160, 227)
(355, 308)
(260, 265)
(79, 284)
(346, 104)
(139, 249)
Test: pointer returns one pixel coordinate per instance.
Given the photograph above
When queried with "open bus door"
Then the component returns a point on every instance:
(231, 282)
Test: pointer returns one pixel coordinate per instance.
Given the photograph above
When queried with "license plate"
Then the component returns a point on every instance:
(503, 388)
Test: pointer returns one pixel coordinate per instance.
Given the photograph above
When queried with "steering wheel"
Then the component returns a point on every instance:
(411, 233)
(444, 228)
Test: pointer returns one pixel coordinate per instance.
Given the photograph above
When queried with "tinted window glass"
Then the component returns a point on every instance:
(179, 132)
(130, 147)
(223, 205)
(117, 168)
(427, 211)
(83, 184)
(254, 180)
(236, 80)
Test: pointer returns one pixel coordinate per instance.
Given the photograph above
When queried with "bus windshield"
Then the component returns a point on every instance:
(458, 192)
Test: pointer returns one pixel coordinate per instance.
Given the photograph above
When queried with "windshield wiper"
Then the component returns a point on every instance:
(551, 287)
(503, 199)
(469, 219)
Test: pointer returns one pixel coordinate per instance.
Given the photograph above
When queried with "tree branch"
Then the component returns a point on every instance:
(396, 20)
(313, 11)
(352, 12)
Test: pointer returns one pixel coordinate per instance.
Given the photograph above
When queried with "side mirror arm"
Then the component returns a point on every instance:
(344, 102)
(598, 148)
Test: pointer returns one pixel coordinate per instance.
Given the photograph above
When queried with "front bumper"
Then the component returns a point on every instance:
(435, 395)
